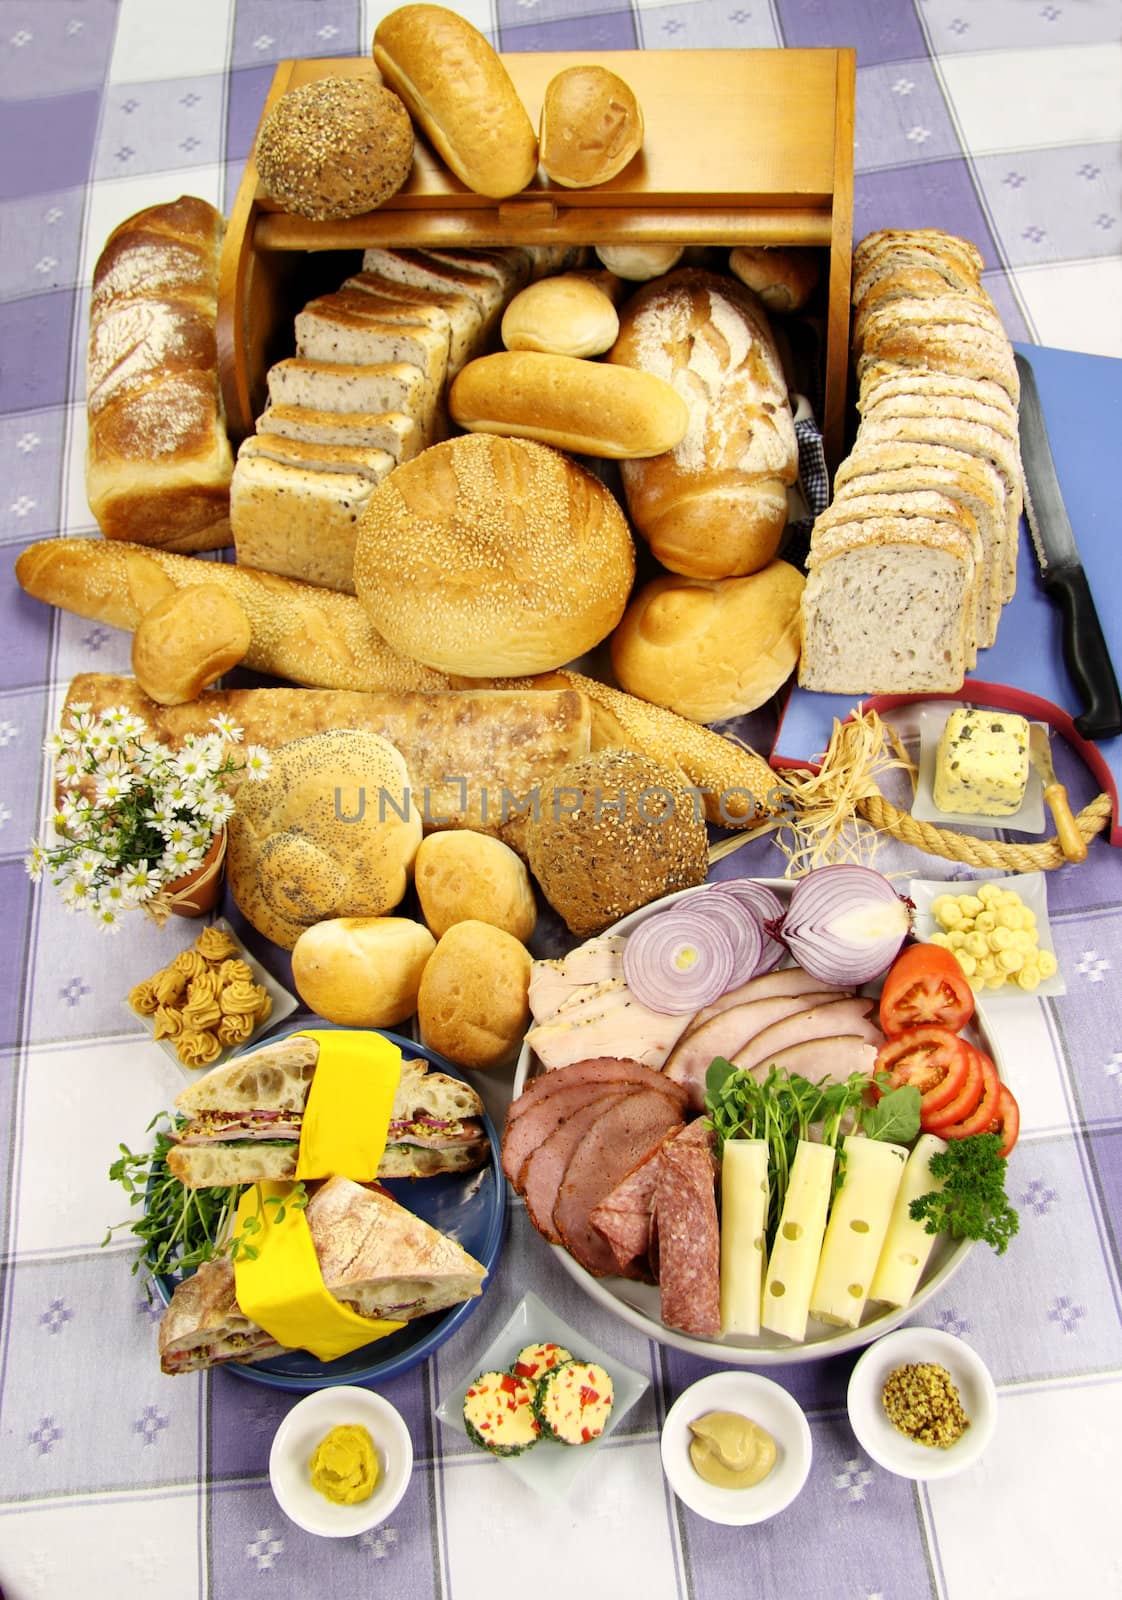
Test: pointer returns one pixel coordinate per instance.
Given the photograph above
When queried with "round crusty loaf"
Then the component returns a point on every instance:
(615, 830)
(491, 556)
(591, 126)
(461, 96)
(587, 406)
(331, 832)
(569, 315)
(337, 147)
(711, 648)
(463, 876)
(187, 640)
(473, 1005)
(362, 972)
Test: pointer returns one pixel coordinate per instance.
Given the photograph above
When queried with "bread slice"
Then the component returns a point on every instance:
(911, 280)
(510, 267)
(392, 431)
(1002, 419)
(298, 521)
(956, 258)
(425, 272)
(925, 311)
(329, 333)
(465, 319)
(883, 612)
(959, 348)
(364, 460)
(335, 386)
(886, 379)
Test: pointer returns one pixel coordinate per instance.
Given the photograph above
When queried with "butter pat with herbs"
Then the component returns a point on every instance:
(982, 763)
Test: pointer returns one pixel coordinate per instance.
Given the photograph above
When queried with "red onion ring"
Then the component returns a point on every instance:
(767, 906)
(845, 924)
(679, 961)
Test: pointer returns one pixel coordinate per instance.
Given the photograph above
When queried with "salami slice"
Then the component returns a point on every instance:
(624, 1215)
(689, 1249)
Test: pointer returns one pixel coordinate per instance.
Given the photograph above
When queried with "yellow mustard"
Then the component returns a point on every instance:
(730, 1451)
(344, 1465)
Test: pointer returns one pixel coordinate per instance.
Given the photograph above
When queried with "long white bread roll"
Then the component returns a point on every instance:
(158, 462)
(307, 635)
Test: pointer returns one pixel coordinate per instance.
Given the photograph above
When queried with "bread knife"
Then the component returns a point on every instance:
(1085, 651)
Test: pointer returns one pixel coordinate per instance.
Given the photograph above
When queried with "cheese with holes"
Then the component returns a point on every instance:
(744, 1208)
(981, 764)
(798, 1241)
(907, 1244)
(859, 1219)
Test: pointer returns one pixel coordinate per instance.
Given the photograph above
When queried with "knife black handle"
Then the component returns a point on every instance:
(1085, 653)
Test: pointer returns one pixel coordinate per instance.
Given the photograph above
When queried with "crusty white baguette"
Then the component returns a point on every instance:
(307, 635)
(394, 432)
(460, 95)
(158, 462)
(587, 406)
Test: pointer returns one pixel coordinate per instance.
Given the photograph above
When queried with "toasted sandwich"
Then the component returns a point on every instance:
(374, 1256)
(241, 1122)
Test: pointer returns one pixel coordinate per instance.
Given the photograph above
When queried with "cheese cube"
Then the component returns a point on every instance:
(981, 765)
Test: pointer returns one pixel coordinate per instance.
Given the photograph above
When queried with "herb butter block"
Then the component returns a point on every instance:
(499, 1415)
(981, 764)
(573, 1402)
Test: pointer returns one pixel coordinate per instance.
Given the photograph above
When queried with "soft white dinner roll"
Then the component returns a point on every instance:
(638, 262)
(187, 640)
(711, 647)
(591, 126)
(473, 1005)
(461, 876)
(362, 972)
(566, 316)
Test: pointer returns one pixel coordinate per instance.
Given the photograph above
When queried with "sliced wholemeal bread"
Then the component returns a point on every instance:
(510, 267)
(974, 308)
(381, 309)
(958, 348)
(360, 341)
(392, 431)
(363, 460)
(297, 521)
(335, 386)
(465, 339)
(884, 379)
(883, 613)
(425, 272)
(1002, 420)
(911, 281)
(933, 245)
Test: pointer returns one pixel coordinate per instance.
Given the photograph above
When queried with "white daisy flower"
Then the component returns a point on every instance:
(76, 893)
(258, 761)
(85, 866)
(227, 728)
(107, 917)
(221, 809)
(177, 832)
(35, 861)
(142, 881)
(69, 772)
(180, 859)
(112, 789)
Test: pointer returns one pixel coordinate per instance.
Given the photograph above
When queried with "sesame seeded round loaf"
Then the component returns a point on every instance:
(337, 147)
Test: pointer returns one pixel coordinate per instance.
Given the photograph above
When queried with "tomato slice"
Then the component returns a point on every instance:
(964, 1102)
(925, 985)
(933, 1060)
(1007, 1121)
(984, 1112)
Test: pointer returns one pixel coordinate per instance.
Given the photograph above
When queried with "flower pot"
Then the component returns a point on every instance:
(197, 892)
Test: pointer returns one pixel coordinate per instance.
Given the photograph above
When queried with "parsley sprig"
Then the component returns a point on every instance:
(972, 1203)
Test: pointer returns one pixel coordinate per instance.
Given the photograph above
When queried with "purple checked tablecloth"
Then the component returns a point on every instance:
(997, 119)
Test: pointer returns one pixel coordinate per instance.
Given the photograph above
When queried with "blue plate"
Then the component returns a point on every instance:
(469, 1207)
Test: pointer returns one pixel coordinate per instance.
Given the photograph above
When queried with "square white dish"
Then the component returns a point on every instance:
(1028, 818)
(550, 1469)
(1033, 890)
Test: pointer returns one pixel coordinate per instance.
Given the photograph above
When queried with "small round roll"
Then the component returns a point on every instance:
(640, 262)
(783, 279)
(473, 1004)
(336, 147)
(576, 405)
(186, 641)
(591, 126)
(569, 315)
(462, 876)
(461, 95)
(362, 972)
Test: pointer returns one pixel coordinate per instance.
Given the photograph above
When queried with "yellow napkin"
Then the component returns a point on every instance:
(347, 1113)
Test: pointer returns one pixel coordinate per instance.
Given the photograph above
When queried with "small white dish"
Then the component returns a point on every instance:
(1033, 890)
(548, 1468)
(303, 1428)
(1029, 816)
(883, 1441)
(761, 1401)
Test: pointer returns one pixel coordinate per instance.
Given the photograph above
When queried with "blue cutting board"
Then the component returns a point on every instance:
(1024, 669)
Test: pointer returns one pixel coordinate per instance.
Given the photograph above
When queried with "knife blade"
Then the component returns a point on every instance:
(1085, 651)
(1072, 842)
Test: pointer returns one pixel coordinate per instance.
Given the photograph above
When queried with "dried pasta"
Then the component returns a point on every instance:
(205, 999)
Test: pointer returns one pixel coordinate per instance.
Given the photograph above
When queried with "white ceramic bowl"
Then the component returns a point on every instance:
(883, 1441)
(761, 1401)
(300, 1432)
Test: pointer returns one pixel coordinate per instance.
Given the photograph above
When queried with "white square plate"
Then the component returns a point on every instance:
(1032, 888)
(1029, 818)
(547, 1467)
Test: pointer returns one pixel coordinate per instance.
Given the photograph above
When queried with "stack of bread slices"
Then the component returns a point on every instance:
(365, 390)
(910, 565)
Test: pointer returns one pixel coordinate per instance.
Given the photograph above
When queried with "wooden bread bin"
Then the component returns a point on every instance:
(742, 147)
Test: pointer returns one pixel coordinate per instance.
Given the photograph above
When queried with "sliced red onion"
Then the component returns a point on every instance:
(768, 908)
(845, 924)
(743, 924)
(679, 961)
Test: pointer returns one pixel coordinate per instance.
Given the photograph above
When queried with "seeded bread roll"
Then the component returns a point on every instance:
(486, 556)
(336, 147)
(591, 126)
(461, 95)
(187, 640)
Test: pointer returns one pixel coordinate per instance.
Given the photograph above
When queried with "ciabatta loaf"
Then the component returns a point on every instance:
(158, 462)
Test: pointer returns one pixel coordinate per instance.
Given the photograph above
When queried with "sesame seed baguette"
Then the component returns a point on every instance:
(306, 635)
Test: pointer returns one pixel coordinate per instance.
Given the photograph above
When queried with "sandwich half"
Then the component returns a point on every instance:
(374, 1256)
(241, 1122)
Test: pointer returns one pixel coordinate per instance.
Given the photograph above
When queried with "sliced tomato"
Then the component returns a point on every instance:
(1007, 1121)
(984, 1112)
(964, 1102)
(925, 985)
(933, 1060)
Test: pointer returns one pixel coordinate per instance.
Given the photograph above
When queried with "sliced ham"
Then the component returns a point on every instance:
(831, 1020)
(596, 1073)
(624, 1215)
(788, 980)
(835, 1058)
(539, 1180)
(689, 1249)
(554, 982)
(618, 1025)
(618, 1140)
(729, 1031)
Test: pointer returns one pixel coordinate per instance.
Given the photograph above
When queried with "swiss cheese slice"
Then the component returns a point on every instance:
(858, 1223)
(798, 1241)
(907, 1244)
(744, 1208)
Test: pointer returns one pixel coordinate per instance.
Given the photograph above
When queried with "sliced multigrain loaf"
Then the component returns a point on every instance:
(332, 334)
(392, 431)
(336, 386)
(932, 507)
(965, 482)
(510, 267)
(883, 612)
(960, 348)
(929, 246)
(973, 307)
(365, 460)
(1002, 420)
(296, 520)
(911, 281)
(885, 379)
(381, 309)
(465, 339)
(425, 272)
